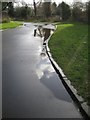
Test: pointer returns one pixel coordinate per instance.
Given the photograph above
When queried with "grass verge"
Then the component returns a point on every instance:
(11, 24)
(69, 48)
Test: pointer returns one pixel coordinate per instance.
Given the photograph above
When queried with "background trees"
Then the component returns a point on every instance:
(88, 11)
(80, 12)
(77, 12)
(47, 9)
(53, 9)
(4, 5)
(23, 12)
(64, 11)
(11, 9)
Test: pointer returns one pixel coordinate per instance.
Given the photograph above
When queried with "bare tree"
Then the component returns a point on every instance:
(35, 9)
(47, 8)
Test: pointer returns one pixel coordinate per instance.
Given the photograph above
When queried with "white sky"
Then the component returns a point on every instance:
(57, 1)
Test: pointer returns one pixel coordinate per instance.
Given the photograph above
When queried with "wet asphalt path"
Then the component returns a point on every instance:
(31, 87)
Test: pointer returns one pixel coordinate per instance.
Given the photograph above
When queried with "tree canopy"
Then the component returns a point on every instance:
(63, 11)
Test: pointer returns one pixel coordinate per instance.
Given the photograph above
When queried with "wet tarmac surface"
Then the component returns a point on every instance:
(31, 87)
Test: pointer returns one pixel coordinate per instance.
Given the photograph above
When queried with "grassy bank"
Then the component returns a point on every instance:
(11, 24)
(69, 48)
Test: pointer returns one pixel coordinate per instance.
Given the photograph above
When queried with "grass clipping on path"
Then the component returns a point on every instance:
(11, 24)
(69, 48)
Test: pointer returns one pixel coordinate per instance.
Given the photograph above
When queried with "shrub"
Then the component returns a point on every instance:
(5, 20)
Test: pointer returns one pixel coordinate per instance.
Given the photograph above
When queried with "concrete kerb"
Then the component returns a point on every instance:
(82, 106)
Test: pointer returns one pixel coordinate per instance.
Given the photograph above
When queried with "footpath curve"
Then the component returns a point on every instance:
(31, 87)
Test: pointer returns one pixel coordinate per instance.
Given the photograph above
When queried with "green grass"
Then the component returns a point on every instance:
(11, 24)
(69, 48)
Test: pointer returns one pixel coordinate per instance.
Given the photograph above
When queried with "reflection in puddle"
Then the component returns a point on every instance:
(44, 65)
(48, 77)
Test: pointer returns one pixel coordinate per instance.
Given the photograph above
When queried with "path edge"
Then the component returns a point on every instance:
(67, 84)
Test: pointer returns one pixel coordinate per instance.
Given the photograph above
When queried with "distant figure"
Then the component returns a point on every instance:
(47, 34)
(35, 32)
(40, 29)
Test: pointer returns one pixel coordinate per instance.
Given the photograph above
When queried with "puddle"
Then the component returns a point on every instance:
(46, 74)
(44, 65)
(48, 77)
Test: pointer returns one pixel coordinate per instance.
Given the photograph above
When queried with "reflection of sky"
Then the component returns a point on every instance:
(42, 66)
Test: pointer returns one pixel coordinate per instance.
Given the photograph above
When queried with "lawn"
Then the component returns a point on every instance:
(69, 48)
(11, 24)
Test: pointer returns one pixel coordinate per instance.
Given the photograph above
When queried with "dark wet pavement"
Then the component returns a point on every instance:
(31, 87)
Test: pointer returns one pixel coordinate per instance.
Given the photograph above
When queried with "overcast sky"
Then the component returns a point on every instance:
(57, 1)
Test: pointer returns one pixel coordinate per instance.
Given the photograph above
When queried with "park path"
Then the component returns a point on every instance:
(31, 87)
